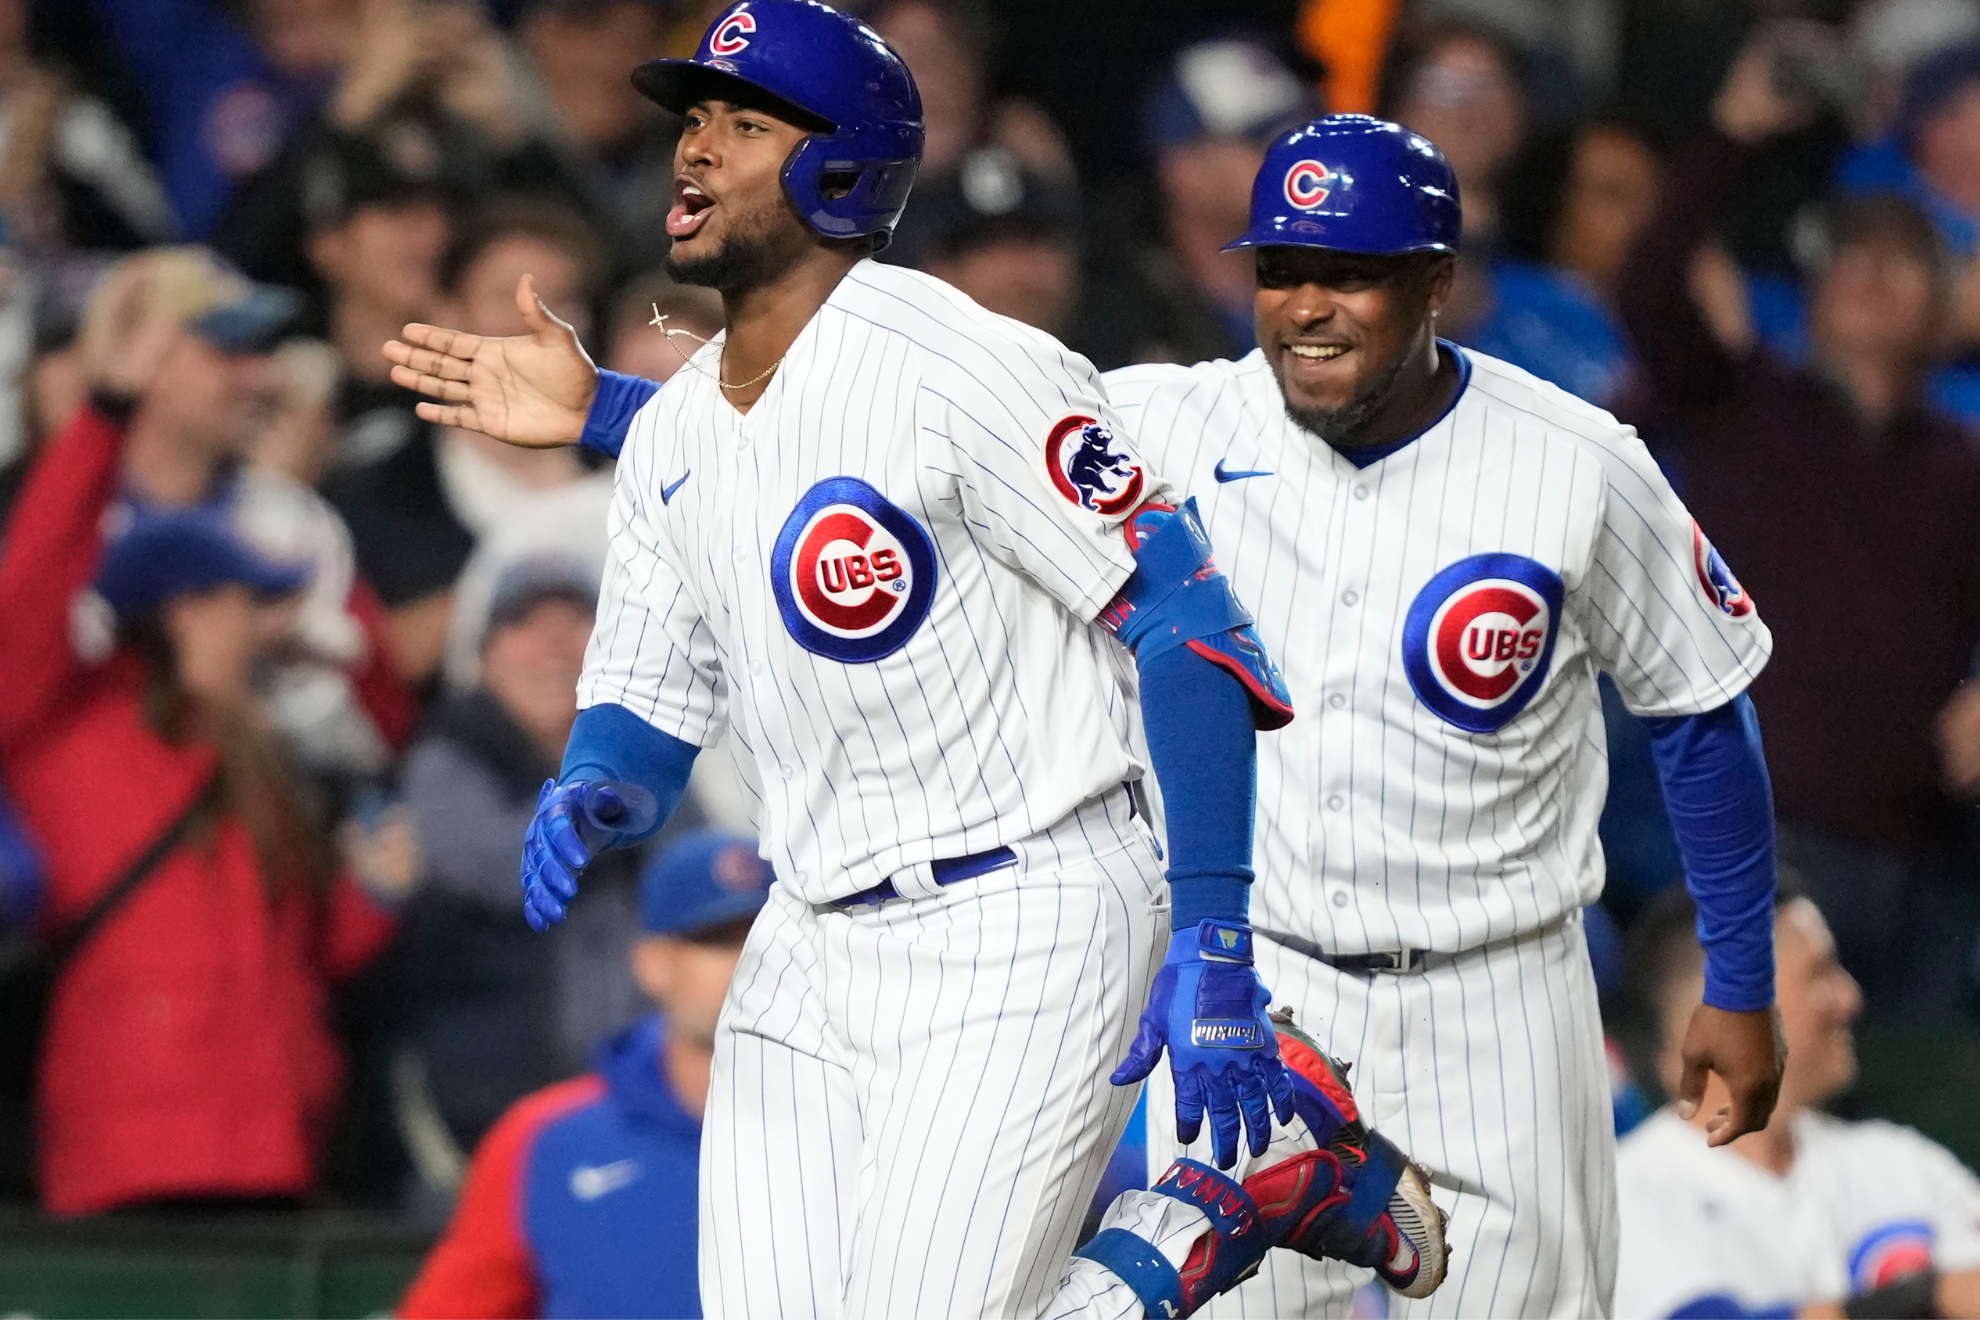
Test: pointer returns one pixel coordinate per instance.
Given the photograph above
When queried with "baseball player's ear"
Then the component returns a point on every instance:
(1442, 271)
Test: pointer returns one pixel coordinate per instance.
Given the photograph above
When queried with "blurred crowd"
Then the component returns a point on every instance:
(252, 604)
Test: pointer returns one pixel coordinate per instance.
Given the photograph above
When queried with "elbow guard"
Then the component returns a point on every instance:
(1178, 597)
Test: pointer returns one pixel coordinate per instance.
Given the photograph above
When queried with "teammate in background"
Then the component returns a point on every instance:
(1807, 1209)
(581, 1200)
(875, 526)
(1445, 551)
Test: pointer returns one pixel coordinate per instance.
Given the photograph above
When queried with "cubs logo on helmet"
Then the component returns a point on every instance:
(732, 36)
(853, 574)
(1092, 468)
(1721, 587)
(1479, 638)
(1889, 1253)
(1307, 184)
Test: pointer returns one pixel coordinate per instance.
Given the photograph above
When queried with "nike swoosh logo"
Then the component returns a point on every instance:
(667, 492)
(588, 1183)
(1223, 475)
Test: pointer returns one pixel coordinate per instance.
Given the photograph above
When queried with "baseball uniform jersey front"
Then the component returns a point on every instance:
(1441, 615)
(884, 575)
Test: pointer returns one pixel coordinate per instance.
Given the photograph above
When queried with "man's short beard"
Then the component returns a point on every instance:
(760, 246)
(1342, 427)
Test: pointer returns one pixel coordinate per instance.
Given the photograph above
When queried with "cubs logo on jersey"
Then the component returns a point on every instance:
(853, 574)
(1721, 587)
(1308, 183)
(1479, 637)
(1093, 469)
(1891, 1252)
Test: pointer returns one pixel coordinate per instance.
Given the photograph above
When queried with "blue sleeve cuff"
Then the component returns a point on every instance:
(610, 742)
(1721, 804)
(617, 400)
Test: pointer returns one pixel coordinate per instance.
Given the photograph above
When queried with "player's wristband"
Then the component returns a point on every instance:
(1914, 1297)
(613, 406)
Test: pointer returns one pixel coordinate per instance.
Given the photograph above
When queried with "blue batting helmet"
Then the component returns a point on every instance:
(1354, 183)
(821, 70)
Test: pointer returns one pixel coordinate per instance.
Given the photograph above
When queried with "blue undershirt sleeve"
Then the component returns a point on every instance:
(1721, 805)
(610, 742)
(613, 406)
(1205, 752)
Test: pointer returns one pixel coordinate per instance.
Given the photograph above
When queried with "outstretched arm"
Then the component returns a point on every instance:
(531, 390)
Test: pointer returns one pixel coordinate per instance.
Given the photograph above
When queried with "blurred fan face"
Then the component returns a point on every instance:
(1947, 148)
(1875, 297)
(733, 228)
(387, 255)
(485, 302)
(1337, 329)
(1033, 280)
(210, 399)
(582, 52)
(1818, 1000)
(1208, 183)
(945, 71)
(1464, 98)
(532, 666)
(689, 978)
(1611, 192)
(216, 635)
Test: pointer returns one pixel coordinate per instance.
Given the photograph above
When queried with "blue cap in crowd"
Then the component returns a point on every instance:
(704, 879)
(165, 554)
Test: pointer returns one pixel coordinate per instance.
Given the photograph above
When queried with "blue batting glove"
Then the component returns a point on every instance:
(575, 822)
(1207, 1009)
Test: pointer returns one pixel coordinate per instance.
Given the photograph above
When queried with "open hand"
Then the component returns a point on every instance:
(1748, 1052)
(1207, 1010)
(530, 390)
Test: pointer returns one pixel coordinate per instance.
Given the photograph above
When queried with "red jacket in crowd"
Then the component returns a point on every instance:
(189, 1050)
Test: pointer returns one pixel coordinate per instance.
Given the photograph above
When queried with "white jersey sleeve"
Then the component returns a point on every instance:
(651, 649)
(1665, 617)
(1045, 472)
(1900, 1200)
(1700, 1223)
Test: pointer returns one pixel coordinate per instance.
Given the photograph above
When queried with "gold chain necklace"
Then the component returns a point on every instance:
(660, 320)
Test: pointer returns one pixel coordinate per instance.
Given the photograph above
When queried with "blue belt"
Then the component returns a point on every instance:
(946, 872)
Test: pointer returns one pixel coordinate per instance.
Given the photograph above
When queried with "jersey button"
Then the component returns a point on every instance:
(1337, 701)
(1349, 598)
(788, 771)
(756, 668)
(1340, 898)
(1336, 802)
(1361, 492)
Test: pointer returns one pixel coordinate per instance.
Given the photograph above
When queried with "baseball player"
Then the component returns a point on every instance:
(873, 528)
(1444, 552)
(1811, 1209)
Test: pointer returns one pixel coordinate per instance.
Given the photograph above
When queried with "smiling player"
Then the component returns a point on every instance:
(1446, 551)
(873, 527)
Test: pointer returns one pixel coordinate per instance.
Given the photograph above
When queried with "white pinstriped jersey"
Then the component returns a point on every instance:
(884, 574)
(1440, 616)
(1862, 1206)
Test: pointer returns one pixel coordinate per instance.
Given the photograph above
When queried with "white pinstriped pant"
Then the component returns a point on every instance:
(1488, 1071)
(909, 1110)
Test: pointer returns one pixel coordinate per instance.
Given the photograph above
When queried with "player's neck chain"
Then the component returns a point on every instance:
(660, 320)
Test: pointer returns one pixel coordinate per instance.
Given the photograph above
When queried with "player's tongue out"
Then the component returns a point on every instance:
(689, 211)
